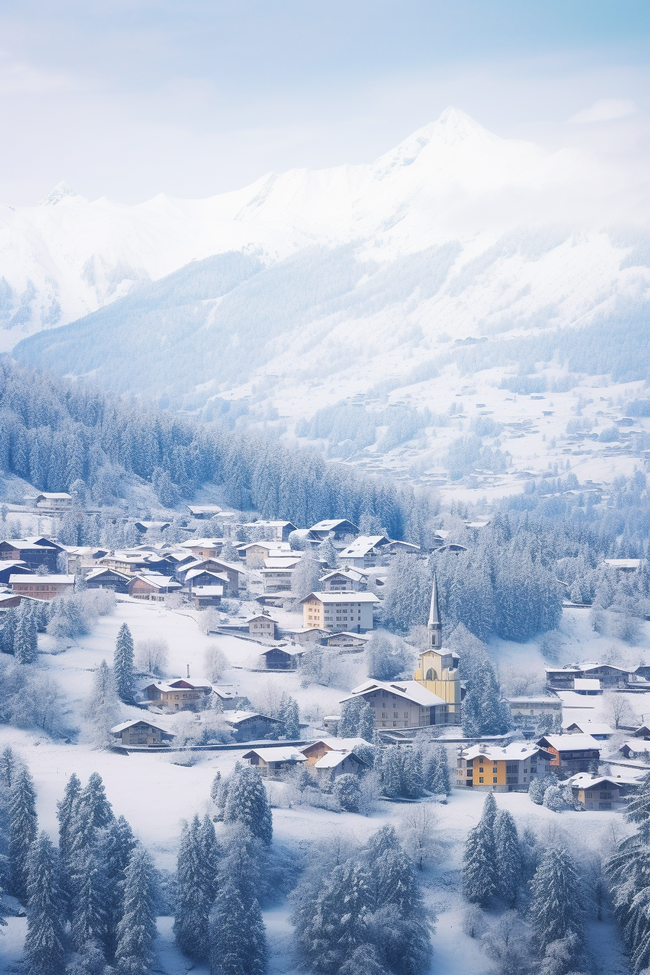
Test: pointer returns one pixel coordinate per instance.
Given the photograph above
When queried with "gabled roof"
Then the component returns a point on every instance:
(107, 570)
(337, 744)
(363, 545)
(236, 717)
(59, 580)
(407, 690)
(195, 573)
(290, 651)
(157, 580)
(342, 597)
(516, 751)
(331, 524)
(54, 496)
(119, 728)
(286, 754)
(334, 759)
(570, 743)
(585, 780)
(590, 728)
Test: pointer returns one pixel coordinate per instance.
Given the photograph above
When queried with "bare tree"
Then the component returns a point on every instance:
(152, 655)
(215, 662)
(619, 709)
(419, 834)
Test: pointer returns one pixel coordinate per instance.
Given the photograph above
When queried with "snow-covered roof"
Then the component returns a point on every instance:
(236, 717)
(261, 616)
(362, 637)
(119, 728)
(623, 563)
(586, 684)
(204, 509)
(638, 745)
(516, 751)
(363, 545)
(158, 581)
(590, 728)
(343, 597)
(334, 759)
(96, 573)
(281, 562)
(201, 543)
(290, 651)
(539, 699)
(54, 496)
(23, 578)
(352, 574)
(330, 524)
(286, 754)
(585, 780)
(167, 686)
(338, 744)
(194, 573)
(570, 743)
(408, 690)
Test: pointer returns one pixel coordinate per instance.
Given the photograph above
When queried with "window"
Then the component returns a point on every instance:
(394, 724)
(480, 778)
(494, 779)
(481, 769)
(406, 714)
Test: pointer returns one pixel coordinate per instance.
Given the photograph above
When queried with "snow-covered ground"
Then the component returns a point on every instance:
(155, 791)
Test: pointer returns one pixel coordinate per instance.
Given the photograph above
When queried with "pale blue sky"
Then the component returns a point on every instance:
(129, 99)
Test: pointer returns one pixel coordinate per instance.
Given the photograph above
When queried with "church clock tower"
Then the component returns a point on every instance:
(437, 666)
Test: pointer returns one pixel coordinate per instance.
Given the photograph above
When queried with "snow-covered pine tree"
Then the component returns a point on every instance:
(349, 723)
(553, 798)
(508, 856)
(557, 899)
(536, 790)
(66, 811)
(123, 663)
(290, 716)
(196, 881)
(440, 782)
(25, 638)
(328, 554)
(137, 929)
(102, 707)
(23, 828)
(348, 792)
(115, 844)
(215, 788)
(365, 722)
(479, 860)
(237, 934)
(44, 944)
(90, 899)
(247, 803)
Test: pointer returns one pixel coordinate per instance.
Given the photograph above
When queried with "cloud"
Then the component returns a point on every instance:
(20, 78)
(604, 110)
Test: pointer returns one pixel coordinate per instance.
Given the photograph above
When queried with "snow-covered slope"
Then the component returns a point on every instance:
(450, 180)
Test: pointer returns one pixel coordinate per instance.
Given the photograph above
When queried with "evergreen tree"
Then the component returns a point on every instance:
(25, 638)
(557, 899)
(114, 844)
(349, 723)
(365, 722)
(66, 811)
(247, 803)
(198, 857)
(508, 856)
(480, 882)
(237, 935)
(137, 929)
(123, 664)
(90, 899)
(440, 780)
(290, 717)
(102, 708)
(22, 830)
(44, 944)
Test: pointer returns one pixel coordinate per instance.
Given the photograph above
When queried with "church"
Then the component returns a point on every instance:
(433, 696)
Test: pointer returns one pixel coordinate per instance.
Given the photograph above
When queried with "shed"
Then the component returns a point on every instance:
(282, 658)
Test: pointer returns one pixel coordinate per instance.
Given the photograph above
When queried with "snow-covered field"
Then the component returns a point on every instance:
(154, 792)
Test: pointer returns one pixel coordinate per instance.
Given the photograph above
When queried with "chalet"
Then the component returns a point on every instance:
(139, 732)
(454, 548)
(218, 566)
(333, 528)
(402, 548)
(401, 704)
(203, 548)
(9, 600)
(36, 554)
(570, 753)
(339, 763)
(228, 696)
(343, 638)
(202, 577)
(339, 747)
(41, 586)
(510, 768)
(181, 694)
(636, 749)
(344, 580)
(107, 578)
(277, 531)
(151, 526)
(624, 565)
(251, 726)
(12, 567)
(643, 732)
(53, 501)
(282, 658)
(152, 587)
(306, 636)
(527, 712)
(272, 762)
(601, 732)
(128, 564)
(339, 610)
(262, 627)
(255, 553)
(596, 791)
(206, 596)
(563, 678)
(203, 511)
(365, 550)
(277, 574)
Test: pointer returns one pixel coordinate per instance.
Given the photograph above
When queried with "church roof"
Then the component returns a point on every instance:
(434, 611)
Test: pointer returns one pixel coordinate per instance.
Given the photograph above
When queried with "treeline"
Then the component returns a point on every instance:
(349, 426)
(57, 432)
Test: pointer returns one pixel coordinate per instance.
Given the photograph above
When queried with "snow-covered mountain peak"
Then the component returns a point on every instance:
(60, 192)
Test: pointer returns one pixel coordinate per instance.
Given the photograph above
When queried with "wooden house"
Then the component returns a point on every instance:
(203, 577)
(42, 586)
(348, 579)
(107, 578)
(336, 528)
(597, 730)
(140, 733)
(272, 531)
(570, 753)
(203, 548)
(365, 550)
(335, 756)
(282, 658)
(596, 792)
(251, 726)
(37, 554)
(53, 501)
(181, 694)
(348, 640)
(217, 566)
(272, 763)
(636, 749)
(12, 567)
(152, 587)
(262, 627)
(205, 596)
(339, 610)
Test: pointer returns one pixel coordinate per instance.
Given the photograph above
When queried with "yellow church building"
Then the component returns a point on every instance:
(438, 667)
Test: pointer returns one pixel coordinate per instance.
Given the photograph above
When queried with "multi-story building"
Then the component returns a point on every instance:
(529, 712)
(41, 587)
(339, 610)
(570, 753)
(438, 669)
(510, 768)
(401, 704)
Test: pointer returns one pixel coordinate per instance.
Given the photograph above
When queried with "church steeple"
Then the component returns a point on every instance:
(435, 624)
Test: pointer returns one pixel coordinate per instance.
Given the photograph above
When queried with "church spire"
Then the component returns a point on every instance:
(435, 625)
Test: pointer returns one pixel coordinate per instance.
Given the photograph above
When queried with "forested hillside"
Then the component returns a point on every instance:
(56, 431)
